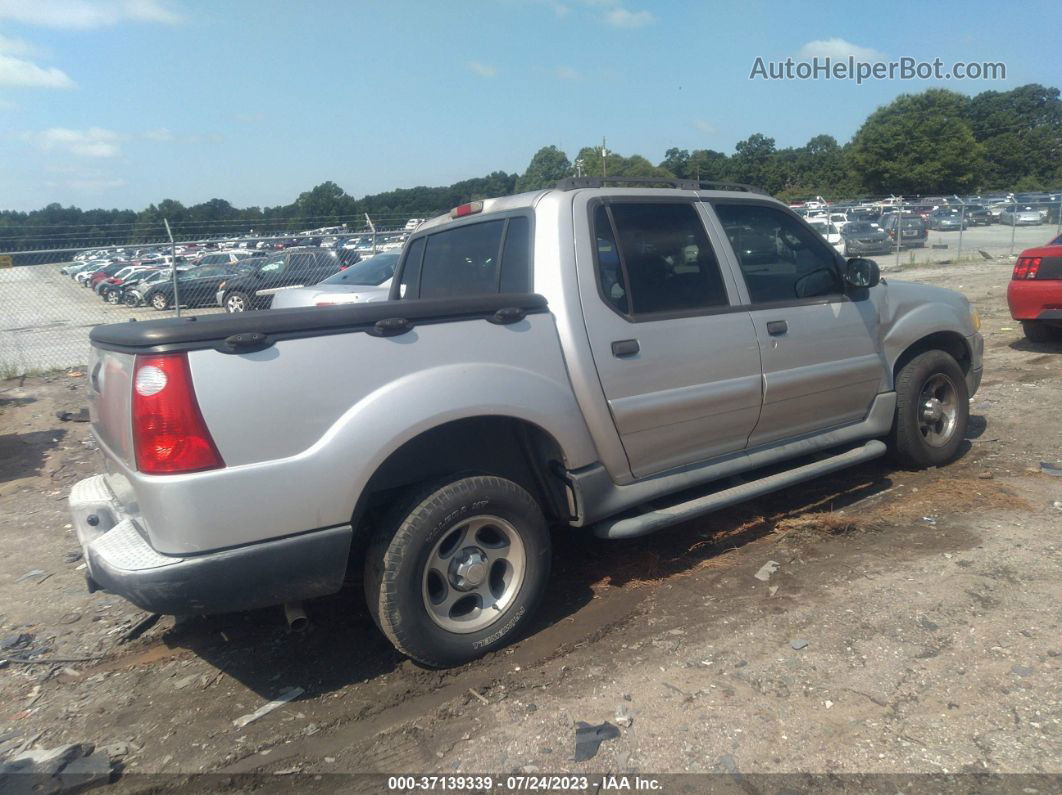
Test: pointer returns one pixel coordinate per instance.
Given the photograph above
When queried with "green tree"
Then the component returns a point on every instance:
(754, 161)
(919, 143)
(1021, 131)
(548, 165)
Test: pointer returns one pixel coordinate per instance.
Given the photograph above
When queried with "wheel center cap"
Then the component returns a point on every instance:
(932, 410)
(468, 569)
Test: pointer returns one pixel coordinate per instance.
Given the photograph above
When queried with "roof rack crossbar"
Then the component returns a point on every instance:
(574, 183)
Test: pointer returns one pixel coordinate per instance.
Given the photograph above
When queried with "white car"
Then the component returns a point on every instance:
(830, 232)
(364, 281)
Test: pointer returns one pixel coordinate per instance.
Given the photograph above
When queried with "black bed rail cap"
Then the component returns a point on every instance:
(574, 183)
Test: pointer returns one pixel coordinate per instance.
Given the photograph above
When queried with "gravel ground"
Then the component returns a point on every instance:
(911, 626)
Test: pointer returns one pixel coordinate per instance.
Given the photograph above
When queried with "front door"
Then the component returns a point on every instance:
(679, 366)
(822, 362)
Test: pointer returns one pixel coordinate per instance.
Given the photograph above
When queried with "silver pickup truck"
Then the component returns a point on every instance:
(586, 358)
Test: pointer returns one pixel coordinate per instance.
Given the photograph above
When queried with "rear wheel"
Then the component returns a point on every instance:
(459, 569)
(1038, 331)
(131, 299)
(932, 410)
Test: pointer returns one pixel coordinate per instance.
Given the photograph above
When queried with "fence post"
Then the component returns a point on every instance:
(173, 268)
(962, 226)
(899, 231)
(1013, 227)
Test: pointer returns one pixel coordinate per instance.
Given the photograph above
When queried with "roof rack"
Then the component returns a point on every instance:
(573, 183)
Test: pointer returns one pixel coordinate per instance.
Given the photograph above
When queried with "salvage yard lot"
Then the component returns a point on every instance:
(46, 316)
(911, 625)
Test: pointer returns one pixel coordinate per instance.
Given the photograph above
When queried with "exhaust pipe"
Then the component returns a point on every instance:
(295, 616)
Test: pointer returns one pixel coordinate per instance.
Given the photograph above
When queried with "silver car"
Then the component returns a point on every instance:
(364, 281)
(1020, 215)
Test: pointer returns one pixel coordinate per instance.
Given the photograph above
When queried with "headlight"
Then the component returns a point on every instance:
(975, 319)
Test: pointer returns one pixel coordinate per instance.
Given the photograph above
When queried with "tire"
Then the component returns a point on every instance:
(429, 612)
(236, 302)
(130, 299)
(113, 297)
(159, 301)
(928, 434)
(1037, 331)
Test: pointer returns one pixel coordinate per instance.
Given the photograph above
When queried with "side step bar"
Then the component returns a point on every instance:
(645, 523)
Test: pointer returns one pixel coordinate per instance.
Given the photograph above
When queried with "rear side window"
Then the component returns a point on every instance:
(473, 259)
(656, 258)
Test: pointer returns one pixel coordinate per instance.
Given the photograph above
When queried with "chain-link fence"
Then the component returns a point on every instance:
(57, 282)
(51, 296)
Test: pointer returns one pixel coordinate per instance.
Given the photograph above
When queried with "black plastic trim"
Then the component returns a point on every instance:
(269, 326)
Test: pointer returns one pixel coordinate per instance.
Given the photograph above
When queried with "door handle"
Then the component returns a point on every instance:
(625, 347)
(777, 328)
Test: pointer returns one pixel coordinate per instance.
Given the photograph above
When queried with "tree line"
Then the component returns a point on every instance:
(931, 143)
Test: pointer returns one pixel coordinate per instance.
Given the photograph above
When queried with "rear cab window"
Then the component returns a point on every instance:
(488, 255)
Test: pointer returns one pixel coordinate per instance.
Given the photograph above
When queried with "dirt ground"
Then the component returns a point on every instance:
(912, 625)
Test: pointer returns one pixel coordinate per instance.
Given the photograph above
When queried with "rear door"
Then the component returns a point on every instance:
(822, 363)
(678, 361)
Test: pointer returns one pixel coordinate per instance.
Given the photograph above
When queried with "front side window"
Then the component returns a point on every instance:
(272, 266)
(656, 258)
(781, 259)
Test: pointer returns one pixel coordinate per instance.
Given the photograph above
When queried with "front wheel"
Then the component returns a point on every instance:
(932, 410)
(160, 301)
(236, 302)
(131, 299)
(459, 570)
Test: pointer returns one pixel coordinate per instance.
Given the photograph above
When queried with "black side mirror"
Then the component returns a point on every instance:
(860, 272)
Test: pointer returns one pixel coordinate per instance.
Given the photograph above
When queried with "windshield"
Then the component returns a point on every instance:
(858, 229)
(372, 271)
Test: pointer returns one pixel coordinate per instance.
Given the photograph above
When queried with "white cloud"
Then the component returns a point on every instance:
(93, 142)
(12, 46)
(620, 17)
(162, 135)
(838, 49)
(481, 69)
(86, 13)
(567, 73)
(704, 126)
(26, 74)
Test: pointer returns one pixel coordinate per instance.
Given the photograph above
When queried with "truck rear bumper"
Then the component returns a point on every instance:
(122, 562)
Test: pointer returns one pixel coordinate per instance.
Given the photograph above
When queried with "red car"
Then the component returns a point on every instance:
(1035, 292)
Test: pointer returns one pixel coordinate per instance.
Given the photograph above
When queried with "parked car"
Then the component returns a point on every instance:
(976, 215)
(293, 267)
(434, 439)
(830, 233)
(860, 238)
(946, 220)
(367, 280)
(195, 287)
(223, 258)
(113, 290)
(134, 292)
(1034, 294)
(113, 284)
(1020, 215)
(912, 229)
(95, 277)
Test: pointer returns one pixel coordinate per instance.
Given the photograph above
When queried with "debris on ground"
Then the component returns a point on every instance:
(798, 644)
(766, 570)
(140, 627)
(265, 709)
(67, 768)
(73, 416)
(1051, 469)
(623, 716)
(18, 640)
(589, 738)
(40, 575)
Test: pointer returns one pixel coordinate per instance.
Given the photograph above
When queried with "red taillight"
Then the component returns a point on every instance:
(461, 210)
(169, 434)
(1027, 267)
(325, 303)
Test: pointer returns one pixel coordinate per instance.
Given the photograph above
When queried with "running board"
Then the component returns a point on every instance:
(645, 523)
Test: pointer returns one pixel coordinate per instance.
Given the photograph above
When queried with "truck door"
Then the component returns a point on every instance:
(822, 363)
(677, 360)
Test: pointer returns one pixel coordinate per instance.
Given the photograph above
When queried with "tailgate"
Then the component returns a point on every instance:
(110, 401)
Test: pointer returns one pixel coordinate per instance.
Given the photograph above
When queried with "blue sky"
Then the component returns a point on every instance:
(119, 103)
